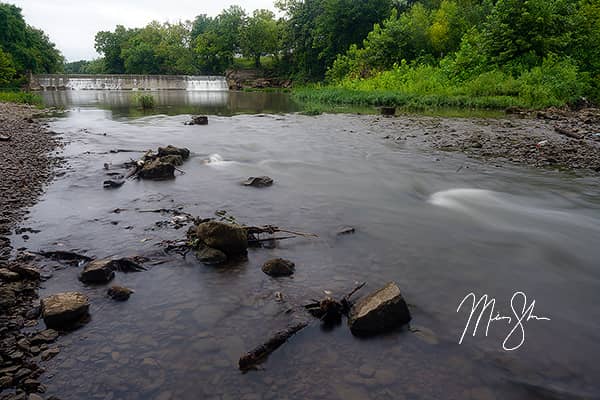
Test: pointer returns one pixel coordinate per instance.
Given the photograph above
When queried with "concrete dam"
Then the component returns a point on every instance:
(128, 82)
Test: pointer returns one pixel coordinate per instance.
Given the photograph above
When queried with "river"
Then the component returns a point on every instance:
(422, 220)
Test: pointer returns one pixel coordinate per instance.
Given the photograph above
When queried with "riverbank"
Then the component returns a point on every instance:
(26, 165)
(555, 138)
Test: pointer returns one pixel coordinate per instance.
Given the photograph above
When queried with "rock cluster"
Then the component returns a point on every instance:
(162, 164)
(216, 242)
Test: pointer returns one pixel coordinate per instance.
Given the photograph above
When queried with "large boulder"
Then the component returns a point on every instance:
(379, 312)
(174, 151)
(157, 170)
(63, 309)
(278, 267)
(98, 271)
(229, 238)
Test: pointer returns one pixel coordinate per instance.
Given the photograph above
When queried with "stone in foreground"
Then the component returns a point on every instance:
(119, 293)
(229, 238)
(174, 151)
(64, 309)
(379, 312)
(278, 267)
(98, 271)
(157, 170)
(260, 181)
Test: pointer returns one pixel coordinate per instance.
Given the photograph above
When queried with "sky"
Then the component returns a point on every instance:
(72, 25)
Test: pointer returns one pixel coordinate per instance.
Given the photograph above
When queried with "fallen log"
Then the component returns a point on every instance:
(567, 132)
(259, 354)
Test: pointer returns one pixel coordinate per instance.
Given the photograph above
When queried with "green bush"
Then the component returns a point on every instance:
(145, 101)
(21, 98)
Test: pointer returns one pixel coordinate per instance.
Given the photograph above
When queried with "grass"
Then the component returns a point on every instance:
(425, 86)
(21, 97)
(145, 101)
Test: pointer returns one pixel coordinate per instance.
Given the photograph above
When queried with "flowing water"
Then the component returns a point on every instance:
(439, 230)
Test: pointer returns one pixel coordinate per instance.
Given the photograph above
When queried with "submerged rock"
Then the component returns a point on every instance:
(278, 267)
(119, 293)
(111, 184)
(198, 120)
(261, 181)
(211, 256)
(174, 151)
(157, 170)
(63, 309)
(229, 238)
(379, 312)
(345, 230)
(98, 271)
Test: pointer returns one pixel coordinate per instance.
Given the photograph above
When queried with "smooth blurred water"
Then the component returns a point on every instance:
(439, 230)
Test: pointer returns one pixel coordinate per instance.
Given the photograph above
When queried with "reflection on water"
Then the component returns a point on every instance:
(174, 102)
(182, 332)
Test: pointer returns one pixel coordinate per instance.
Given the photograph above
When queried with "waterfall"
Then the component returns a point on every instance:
(129, 82)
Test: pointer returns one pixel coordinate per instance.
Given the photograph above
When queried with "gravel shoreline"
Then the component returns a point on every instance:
(552, 139)
(26, 165)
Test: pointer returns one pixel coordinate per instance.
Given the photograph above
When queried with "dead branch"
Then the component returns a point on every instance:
(567, 132)
(257, 355)
(270, 229)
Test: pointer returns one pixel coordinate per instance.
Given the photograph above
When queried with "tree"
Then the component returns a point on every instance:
(259, 35)
(7, 69)
(110, 45)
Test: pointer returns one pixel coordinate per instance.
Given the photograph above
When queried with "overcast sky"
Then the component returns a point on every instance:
(72, 25)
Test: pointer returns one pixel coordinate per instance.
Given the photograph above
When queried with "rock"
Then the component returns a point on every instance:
(63, 309)
(157, 170)
(119, 293)
(8, 276)
(45, 336)
(31, 385)
(278, 267)
(110, 184)
(98, 271)
(174, 151)
(198, 120)
(261, 181)
(4, 138)
(379, 312)
(6, 381)
(229, 238)
(210, 256)
(26, 271)
(345, 230)
(7, 297)
(173, 159)
(34, 396)
(50, 353)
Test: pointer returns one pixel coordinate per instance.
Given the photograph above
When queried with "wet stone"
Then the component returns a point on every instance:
(259, 182)
(50, 353)
(174, 151)
(198, 120)
(98, 271)
(119, 293)
(26, 271)
(64, 309)
(379, 312)
(229, 238)
(45, 336)
(157, 170)
(278, 267)
(7, 275)
(210, 256)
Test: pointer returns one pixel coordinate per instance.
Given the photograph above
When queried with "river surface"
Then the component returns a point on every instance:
(439, 229)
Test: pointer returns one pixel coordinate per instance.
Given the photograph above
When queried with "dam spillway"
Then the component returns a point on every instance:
(128, 82)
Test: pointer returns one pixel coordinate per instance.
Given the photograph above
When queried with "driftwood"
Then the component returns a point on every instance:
(271, 230)
(259, 354)
(329, 310)
(567, 132)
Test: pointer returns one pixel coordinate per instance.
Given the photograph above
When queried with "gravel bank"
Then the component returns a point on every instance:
(555, 139)
(25, 166)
